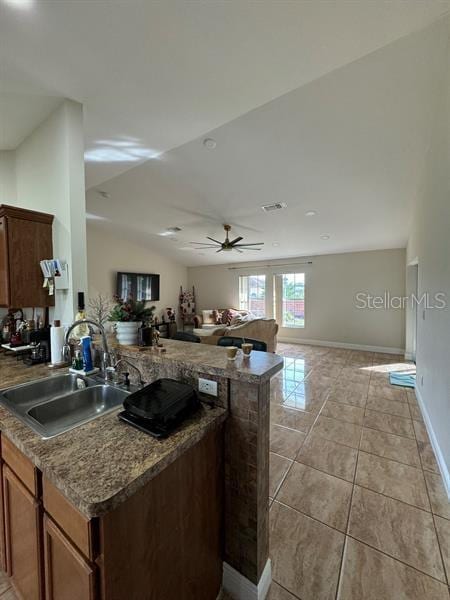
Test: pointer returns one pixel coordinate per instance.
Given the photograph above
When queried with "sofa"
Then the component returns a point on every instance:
(214, 318)
(264, 330)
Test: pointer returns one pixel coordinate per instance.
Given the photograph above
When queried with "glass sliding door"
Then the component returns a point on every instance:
(252, 294)
(289, 298)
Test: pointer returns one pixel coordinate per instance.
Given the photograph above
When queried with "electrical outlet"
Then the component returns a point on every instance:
(207, 386)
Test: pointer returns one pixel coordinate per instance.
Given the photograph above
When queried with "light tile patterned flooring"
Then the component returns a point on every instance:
(358, 508)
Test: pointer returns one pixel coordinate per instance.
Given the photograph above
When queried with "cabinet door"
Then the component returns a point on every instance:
(4, 270)
(22, 536)
(68, 576)
(29, 242)
(2, 525)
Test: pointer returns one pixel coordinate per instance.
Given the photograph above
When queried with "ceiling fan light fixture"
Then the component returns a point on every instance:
(227, 245)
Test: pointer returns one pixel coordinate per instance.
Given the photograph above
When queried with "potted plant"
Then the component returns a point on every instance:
(127, 316)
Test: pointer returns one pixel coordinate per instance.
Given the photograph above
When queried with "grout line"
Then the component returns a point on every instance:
(299, 461)
(315, 519)
(385, 413)
(350, 506)
(352, 537)
(390, 432)
(400, 462)
(286, 590)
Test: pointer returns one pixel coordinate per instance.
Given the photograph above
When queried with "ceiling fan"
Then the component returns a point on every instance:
(227, 246)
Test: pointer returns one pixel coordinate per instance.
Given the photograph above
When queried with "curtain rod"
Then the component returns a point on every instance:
(309, 262)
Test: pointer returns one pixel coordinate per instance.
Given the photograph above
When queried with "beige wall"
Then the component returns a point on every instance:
(8, 190)
(331, 284)
(109, 253)
(430, 245)
(46, 173)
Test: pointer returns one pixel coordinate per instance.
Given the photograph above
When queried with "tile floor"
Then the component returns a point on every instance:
(358, 509)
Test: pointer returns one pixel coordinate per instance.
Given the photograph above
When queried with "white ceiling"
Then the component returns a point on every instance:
(350, 145)
(155, 75)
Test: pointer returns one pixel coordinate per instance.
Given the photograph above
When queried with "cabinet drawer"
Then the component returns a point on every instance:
(75, 525)
(21, 465)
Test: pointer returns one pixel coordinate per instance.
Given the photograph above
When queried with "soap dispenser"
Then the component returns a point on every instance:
(81, 330)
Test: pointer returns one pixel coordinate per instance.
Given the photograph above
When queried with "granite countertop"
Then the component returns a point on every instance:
(257, 368)
(100, 464)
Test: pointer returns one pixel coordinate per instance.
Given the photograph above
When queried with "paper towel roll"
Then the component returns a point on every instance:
(56, 344)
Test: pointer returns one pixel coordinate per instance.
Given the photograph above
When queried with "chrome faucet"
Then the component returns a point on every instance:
(106, 357)
(130, 364)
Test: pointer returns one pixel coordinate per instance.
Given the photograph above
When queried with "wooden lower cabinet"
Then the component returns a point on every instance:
(22, 536)
(68, 576)
(163, 543)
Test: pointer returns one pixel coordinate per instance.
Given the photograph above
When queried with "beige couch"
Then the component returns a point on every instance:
(264, 330)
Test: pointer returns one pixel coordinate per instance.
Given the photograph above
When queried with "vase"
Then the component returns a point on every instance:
(127, 332)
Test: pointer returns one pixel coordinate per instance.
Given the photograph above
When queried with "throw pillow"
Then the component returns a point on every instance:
(208, 317)
(226, 316)
(217, 316)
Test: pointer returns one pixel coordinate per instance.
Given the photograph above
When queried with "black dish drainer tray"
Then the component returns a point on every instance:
(160, 407)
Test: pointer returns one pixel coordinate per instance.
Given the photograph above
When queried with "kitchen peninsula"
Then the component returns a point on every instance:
(125, 515)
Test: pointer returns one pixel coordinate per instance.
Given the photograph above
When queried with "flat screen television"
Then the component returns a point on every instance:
(139, 286)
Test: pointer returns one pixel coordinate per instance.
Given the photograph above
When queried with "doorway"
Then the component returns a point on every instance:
(412, 313)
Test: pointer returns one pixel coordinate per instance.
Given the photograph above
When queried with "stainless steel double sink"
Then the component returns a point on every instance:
(56, 404)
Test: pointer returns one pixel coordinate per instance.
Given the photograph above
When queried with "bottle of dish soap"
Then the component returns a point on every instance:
(83, 329)
(88, 367)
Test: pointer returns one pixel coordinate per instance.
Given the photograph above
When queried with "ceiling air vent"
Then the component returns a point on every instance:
(272, 207)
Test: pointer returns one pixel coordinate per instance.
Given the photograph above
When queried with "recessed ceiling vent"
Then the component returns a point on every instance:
(272, 207)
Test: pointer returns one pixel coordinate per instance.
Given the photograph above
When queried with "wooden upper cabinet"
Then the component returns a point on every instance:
(25, 240)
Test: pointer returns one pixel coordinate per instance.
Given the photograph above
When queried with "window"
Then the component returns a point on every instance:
(293, 299)
(252, 294)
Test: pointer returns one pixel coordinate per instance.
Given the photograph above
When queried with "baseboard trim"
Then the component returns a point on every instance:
(383, 349)
(242, 588)
(434, 443)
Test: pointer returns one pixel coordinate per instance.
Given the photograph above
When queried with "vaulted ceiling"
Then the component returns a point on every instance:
(325, 106)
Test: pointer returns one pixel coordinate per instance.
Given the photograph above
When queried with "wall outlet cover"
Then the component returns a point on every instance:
(207, 386)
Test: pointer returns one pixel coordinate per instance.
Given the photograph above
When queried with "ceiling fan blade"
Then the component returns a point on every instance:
(220, 250)
(235, 241)
(213, 240)
(204, 244)
(237, 250)
(205, 247)
(255, 244)
(245, 248)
